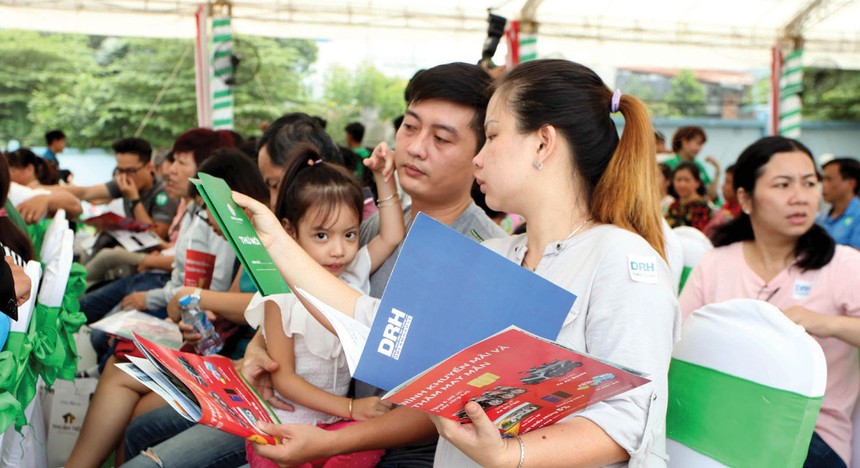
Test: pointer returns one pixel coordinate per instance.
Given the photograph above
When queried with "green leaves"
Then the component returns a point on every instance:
(100, 89)
(687, 97)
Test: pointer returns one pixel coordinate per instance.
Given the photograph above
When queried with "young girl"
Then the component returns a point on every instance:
(320, 206)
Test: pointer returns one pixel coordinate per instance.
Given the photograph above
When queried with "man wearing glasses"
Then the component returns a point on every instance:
(134, 180)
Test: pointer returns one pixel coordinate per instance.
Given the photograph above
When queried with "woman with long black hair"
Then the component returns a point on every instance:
(775, 252)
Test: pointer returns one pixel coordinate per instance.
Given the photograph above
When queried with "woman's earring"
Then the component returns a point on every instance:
(537, 165)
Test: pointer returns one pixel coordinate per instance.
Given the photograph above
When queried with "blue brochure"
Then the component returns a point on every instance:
(446, 293)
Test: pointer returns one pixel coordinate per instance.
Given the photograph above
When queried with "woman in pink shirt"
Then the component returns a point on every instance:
(775, 252)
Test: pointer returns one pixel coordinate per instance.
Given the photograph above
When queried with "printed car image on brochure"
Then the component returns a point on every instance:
(219, 396)
(523, 382)
(549, 370)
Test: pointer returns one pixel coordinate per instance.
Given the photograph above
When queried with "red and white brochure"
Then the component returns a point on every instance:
(522, 381)
(210, 391)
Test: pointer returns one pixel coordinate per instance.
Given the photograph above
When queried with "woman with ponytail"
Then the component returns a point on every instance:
(775, 252)
(553, 155)
(591, 199)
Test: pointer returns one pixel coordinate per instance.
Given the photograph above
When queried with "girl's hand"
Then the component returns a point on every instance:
(368, 408)
(268, 226)
(381, 160)
(480, 440)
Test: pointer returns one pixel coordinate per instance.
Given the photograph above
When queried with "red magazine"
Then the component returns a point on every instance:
(220, 395)
(112, 221)
(522, 381)
(199, 267)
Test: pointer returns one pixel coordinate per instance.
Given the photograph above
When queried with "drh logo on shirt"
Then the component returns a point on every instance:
(642, 268)
(394, 335)
(801, 289)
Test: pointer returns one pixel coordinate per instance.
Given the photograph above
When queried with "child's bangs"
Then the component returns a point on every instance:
(329, 201)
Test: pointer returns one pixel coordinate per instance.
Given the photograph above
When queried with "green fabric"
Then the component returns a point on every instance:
(685, 273)
(15, 216)
(70, 320)
(47, 349)
(19, 345)
(9, 406)
(9, 409)
(737, 422)
(37, 235)
(46, 352)
(363, 153)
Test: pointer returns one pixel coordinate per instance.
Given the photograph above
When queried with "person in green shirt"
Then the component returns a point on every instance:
(354, 136)
(687, 143)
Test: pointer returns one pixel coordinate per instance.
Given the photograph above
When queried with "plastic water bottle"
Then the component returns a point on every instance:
(210, 343)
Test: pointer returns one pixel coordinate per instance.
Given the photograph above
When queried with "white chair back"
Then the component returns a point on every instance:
(54, 236)
(754, 341)
(57, 270)
(694, 243)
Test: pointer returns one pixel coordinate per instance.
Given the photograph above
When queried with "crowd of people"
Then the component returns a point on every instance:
(539, 142)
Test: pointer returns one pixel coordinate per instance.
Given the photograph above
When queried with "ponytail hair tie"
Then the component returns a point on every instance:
(616, 101)
(312, 162)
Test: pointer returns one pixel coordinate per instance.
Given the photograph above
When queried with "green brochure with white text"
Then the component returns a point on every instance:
(240, 233)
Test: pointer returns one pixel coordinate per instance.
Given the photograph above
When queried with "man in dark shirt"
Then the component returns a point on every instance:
(142, 193)
(56, 141)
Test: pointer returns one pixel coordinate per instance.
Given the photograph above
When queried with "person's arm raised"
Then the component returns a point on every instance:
(296, 266)
(391, 226)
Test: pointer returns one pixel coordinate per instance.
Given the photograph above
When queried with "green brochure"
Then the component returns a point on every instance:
(240, 233)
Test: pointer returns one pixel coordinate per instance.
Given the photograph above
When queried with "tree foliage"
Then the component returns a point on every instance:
(687, 97)
(99, 89)
(831, 94)
(31, 65)
(364, 94)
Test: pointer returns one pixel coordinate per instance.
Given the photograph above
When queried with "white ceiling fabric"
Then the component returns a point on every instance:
(726, 34)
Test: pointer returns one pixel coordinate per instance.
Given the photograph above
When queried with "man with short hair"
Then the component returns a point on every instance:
(442, 131)
(840, 187)
(143, 196)
(354, 137)
(56, 142)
